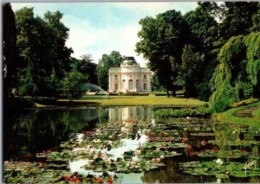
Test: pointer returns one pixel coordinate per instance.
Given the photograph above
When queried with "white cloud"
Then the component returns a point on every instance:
(85, 37)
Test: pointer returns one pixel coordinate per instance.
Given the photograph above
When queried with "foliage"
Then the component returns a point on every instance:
(190, 70)
(237, 76)
(86, 67)
(71, 84)
(196, 112)
(161, 42)
(237, 18)
(114, 59)
(9, 50)
(43, 55)
(156, 86)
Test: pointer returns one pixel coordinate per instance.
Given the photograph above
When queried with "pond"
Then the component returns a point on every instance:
(128, 145)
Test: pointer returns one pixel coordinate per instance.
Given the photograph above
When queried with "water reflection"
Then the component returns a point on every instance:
(31, 131)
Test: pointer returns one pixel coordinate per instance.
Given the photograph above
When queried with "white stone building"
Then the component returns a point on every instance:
(129, 77)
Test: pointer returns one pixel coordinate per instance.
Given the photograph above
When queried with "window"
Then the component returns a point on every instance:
(124, 85)
(145, 86)
(137, 84)
(144, 76)
(131, 86)
(116, 87)
(115, 77)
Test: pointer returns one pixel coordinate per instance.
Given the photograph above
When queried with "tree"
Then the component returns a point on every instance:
(44, 58)
(237, 76)
(71, 84)
(191, 68)
(106, 62)
(256, 20)
(35, 53)
(86, 67)
(161, 42)
(61, 53)
(204, 28)
(9, 50)
(237, 18)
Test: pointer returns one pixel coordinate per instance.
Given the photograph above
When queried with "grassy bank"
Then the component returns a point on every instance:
(139, 100)
(229, 116)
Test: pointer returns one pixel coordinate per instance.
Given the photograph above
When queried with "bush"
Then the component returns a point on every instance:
(197, 112)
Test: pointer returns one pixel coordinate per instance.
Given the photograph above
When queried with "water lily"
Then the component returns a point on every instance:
(109, 180)
(75, 179)
(219, 161)
(203, 143)
(189, 146)
(185, 139)
(98, 180)
(215, 149)
(243, 151)
(49, 151)
(230, 155)
(67, 178)
(191, 153)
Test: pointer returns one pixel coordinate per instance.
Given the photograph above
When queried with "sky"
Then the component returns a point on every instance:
(100, 28)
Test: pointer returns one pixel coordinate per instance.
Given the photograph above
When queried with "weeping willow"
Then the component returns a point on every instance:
(237, 76)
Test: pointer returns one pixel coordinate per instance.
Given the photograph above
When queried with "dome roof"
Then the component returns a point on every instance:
(129, 61)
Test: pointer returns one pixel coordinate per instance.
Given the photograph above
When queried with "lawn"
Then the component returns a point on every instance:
(139, 100)
(229, 116)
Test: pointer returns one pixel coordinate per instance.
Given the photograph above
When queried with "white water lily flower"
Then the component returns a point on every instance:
(138, 152)
(162, 157)
(158, 160)
(219, 161)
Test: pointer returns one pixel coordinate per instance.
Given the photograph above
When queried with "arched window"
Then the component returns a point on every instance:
(124, 85)
(144, 76)
(131, 85)
(145, 86)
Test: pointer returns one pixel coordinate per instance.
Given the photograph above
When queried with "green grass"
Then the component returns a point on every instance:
(140, 100)
(228, 116)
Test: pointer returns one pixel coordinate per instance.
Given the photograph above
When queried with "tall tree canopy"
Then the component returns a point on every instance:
(161, 42)
(44, 58)
(237, 18)
(9, 50)
(237, 77)
(86, 67)
(114, 59)
(204, 28)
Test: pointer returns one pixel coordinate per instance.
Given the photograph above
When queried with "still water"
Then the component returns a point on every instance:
(201, 143)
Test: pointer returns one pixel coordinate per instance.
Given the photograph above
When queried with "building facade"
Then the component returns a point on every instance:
(129, 77)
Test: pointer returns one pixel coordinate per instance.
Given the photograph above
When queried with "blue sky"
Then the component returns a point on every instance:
(99, 28)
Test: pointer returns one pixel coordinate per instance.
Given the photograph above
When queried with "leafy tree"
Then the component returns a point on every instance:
(71, 84)
(106, 62)
(161, 42)
(237, 76)
(34, 49)
(61, 53)
(86, 67)
(204, 28)
(256, 20)
(190, 70)
(9, 50)
(156, 86)
(237, 18)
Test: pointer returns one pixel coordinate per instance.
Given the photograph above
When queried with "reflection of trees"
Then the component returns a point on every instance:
(172, 174)
(37, 130)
